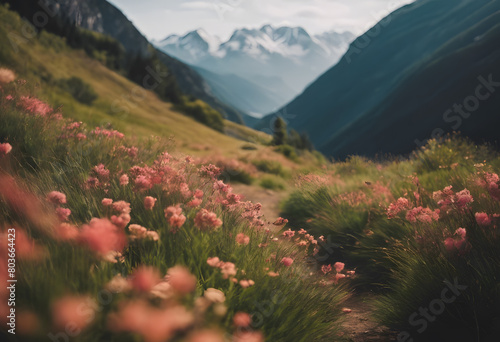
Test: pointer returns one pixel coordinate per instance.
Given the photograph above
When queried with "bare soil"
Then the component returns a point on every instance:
(360, 326)
(269, 199)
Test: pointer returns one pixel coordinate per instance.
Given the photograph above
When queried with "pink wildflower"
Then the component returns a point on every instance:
(81, 136)
(106, 202)
(421, 214)
(6, 76)
(246, 283)
(248, 336)
(287, 261)
(206, 336)
(195, 202)
(5, 148)
(221, 187)
(68, 311)
(227, 269)
(175, 217)
(206, 220)
(326, 269)
(289, 233)
(121, 220)
(124, 179)
(464, 198)
(242, 319)
(396, 207)
(211, 171)
(184, 190)
(102, 236)
(280, 221)
(143, 183)
(461, 232)
(101, 172)
(66, 231)
(242, 239)
(35, 106)
(63, 214)
(144, 278)
(181, 280)
(338, 276)
(339, 266)
(56, 197)
(198, 194)
(149, 202)
(483, 219)
(214, 262)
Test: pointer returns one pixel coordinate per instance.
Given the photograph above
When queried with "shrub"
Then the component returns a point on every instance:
(249, 147)
(272, 167)
(288, 151)
(81, 91)
(272, 183)
(202, 112)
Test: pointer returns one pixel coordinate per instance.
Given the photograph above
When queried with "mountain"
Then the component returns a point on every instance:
(103, 17)
(284, 59)
(251, 97)
(406, 80)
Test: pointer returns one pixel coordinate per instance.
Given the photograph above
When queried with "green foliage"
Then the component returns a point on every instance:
(249, 147)
(279, 132)
(408, 260)
(272, 166)
(81, 91)
(299, 141)
(288, 151)
(280, 306)
(272, 183)
(202, 112)
(150, 73)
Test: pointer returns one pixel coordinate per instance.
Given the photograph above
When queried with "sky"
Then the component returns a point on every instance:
(157, 19)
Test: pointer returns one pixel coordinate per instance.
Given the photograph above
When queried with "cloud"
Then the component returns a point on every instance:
(197, 5)
(159, 18)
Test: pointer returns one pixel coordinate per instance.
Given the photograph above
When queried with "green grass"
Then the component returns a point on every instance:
(407, 261)
(272, 183)
(48, 156)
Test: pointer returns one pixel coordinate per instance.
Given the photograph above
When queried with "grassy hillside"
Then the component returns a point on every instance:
(122, 103)
(47, 60)
(111, 239)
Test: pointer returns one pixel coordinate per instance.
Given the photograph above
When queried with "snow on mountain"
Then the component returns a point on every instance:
(288, 55)
(289, 42)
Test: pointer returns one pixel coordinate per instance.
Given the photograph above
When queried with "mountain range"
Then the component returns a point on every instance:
(429, 68)
(259, 70)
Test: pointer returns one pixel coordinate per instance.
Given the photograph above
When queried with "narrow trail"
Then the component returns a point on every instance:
(269, 199)
(360, 326)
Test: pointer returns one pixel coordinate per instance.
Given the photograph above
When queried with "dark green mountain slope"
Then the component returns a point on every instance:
(396, 80)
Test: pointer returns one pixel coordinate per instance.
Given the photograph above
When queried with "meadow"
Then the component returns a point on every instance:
(120, 223)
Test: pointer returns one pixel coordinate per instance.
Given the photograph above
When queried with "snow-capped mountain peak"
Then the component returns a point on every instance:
(285, 58)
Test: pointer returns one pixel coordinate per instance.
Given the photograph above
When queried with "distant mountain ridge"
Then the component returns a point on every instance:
(396, 85)
(288, 57)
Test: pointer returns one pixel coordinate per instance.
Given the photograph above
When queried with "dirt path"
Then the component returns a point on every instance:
(269, 199)
(360, 326)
